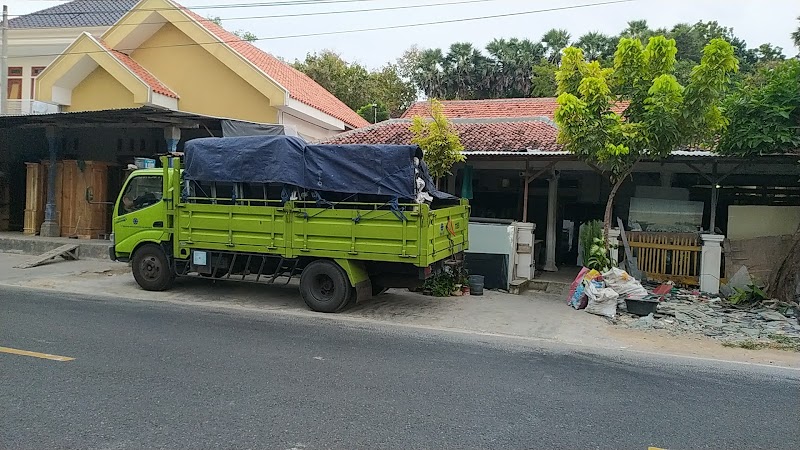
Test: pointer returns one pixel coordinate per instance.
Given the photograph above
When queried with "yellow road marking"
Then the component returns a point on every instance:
(15, 351)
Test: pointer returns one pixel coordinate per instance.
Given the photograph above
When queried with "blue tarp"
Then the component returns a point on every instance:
(249, 159)
(386, 170)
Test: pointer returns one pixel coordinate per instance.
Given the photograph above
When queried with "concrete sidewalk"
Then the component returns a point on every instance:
(533, 316)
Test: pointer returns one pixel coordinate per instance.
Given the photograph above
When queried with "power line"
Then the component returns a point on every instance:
(361, 30)
(349, 11)
(201, 7)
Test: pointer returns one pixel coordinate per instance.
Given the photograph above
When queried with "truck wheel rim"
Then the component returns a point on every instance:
(323, 287)
(150, 268)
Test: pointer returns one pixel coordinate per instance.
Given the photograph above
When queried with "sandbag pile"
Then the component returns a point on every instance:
(599, 294)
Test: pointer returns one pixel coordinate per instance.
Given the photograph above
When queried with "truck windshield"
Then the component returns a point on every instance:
(141, 192)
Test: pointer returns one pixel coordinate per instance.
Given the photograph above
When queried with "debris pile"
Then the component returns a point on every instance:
(685, 311)
(622, 298)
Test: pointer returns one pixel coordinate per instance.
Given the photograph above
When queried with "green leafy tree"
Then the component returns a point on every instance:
(347, 82)
(661, 114)
(764, 115)
(374, 112)
(391, 90)
(439, 141)
(637, 29)
(543, 80)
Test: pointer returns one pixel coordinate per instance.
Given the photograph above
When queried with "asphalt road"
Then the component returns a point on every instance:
(155, 375)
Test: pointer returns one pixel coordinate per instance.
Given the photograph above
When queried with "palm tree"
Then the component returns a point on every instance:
(637, 29)
(796, 35)
(595, 45)
(428, 74)
(511, 62)
(465, 69)
(555, 41)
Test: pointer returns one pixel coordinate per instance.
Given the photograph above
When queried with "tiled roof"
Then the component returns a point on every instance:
(300, 86)
(507, 107)
(77, 13)
(507, 135)
(155, 84)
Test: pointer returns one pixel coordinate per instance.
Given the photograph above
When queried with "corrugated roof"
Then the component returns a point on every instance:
(75, 14)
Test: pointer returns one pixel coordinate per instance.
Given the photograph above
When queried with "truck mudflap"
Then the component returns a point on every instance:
(363, 291)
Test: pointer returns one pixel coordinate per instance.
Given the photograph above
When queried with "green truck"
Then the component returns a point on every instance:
(242, 210)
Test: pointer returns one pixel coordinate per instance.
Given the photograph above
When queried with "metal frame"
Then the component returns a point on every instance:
(281, 270)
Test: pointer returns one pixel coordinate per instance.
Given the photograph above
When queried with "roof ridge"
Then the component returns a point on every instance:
(282, 73)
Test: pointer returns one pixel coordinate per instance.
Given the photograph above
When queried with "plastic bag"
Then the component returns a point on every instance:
(602, 301)
(624, 284)
(574, 286)
(578, 298)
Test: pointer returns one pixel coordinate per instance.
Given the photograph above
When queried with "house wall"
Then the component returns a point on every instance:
(99, 91)
(306, 130)
(752, 221)
(204, 84)
(38, 47)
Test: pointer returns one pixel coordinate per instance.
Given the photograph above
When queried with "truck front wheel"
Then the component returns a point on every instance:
(151, 268)
(325, 287)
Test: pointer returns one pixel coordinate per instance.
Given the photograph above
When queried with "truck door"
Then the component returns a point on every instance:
(139, 209)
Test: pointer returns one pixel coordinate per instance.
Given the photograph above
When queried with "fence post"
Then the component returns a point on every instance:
(614, 244)
(710, 262)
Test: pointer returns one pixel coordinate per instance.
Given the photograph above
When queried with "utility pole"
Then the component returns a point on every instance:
(4, 65)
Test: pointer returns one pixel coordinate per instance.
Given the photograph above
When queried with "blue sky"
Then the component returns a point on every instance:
(755, 21)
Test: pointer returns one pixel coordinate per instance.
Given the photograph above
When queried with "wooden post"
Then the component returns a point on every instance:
(527, 181)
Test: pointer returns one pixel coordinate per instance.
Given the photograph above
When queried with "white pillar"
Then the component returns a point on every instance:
(710, 262)
(172, 135)
(614, 244)
(552, 232)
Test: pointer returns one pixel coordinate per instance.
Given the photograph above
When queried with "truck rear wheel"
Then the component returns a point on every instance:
(325, 286)
(151, 268)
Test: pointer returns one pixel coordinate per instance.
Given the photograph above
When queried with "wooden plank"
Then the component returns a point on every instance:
(67, 251)
(689, 248)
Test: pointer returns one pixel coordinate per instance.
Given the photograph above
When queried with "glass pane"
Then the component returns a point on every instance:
(141, 192)
(15, 71)
(35, 71)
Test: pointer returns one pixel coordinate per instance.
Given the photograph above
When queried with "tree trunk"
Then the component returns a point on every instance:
(610, 206)
(784, 279)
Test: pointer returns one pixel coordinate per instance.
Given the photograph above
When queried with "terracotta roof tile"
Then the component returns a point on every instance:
(143, 74)
(301, 87)
(476, 135)
(477, 109)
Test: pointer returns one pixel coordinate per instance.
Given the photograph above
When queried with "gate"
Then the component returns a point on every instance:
(667, 256)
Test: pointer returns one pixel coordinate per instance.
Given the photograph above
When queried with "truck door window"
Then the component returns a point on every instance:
(141, 192)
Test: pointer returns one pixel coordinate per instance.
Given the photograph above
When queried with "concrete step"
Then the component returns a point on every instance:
(36, 245)
(549, 287)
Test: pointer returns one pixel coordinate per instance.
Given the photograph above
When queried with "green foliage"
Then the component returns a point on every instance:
(750, 295)
(555, 40)
(356, 86)
(440, 285)
(596, 46)
(543, 80)
(374, 114)
(595, 255)
(660, 115)
(796, 35)
(764, 112)
(439, 142)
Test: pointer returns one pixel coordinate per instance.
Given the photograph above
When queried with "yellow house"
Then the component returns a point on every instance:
(164, 55)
